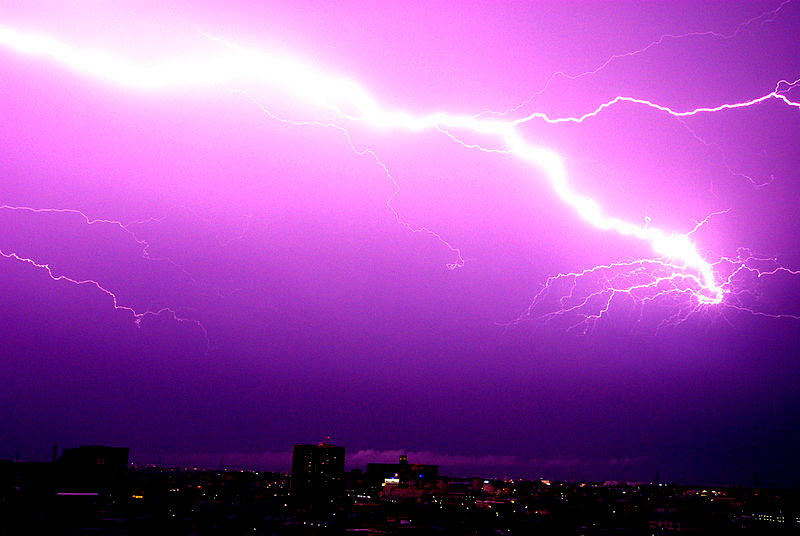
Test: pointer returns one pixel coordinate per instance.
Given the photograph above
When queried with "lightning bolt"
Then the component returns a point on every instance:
(128, 228)
(678, 269)
(761, 19)
(138, 316)
(142, 244)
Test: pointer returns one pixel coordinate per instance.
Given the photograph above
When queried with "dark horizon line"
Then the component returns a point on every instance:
(600, 482)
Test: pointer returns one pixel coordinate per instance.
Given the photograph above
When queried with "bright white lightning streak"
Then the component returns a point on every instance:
(318, 88)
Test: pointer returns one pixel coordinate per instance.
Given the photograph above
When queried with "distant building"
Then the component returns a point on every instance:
(402, 473)
(92, 469)
(317, 470)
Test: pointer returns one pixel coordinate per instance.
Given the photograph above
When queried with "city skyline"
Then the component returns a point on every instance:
(368, 463)
(553, 240)
(91, 487)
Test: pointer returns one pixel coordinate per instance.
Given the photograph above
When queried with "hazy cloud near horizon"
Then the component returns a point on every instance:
(503, 465)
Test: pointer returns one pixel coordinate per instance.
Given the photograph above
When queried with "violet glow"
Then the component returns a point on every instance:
(678, 262)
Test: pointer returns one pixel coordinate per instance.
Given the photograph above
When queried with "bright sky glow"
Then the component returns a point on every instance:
(234, 65)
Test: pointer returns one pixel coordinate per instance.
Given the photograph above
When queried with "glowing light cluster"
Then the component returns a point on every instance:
(679, 263)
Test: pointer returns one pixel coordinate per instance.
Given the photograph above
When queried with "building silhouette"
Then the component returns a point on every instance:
(92, 469)
(317, 471)
(403, 473)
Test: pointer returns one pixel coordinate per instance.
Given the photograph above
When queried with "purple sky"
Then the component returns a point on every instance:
(312, 312)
